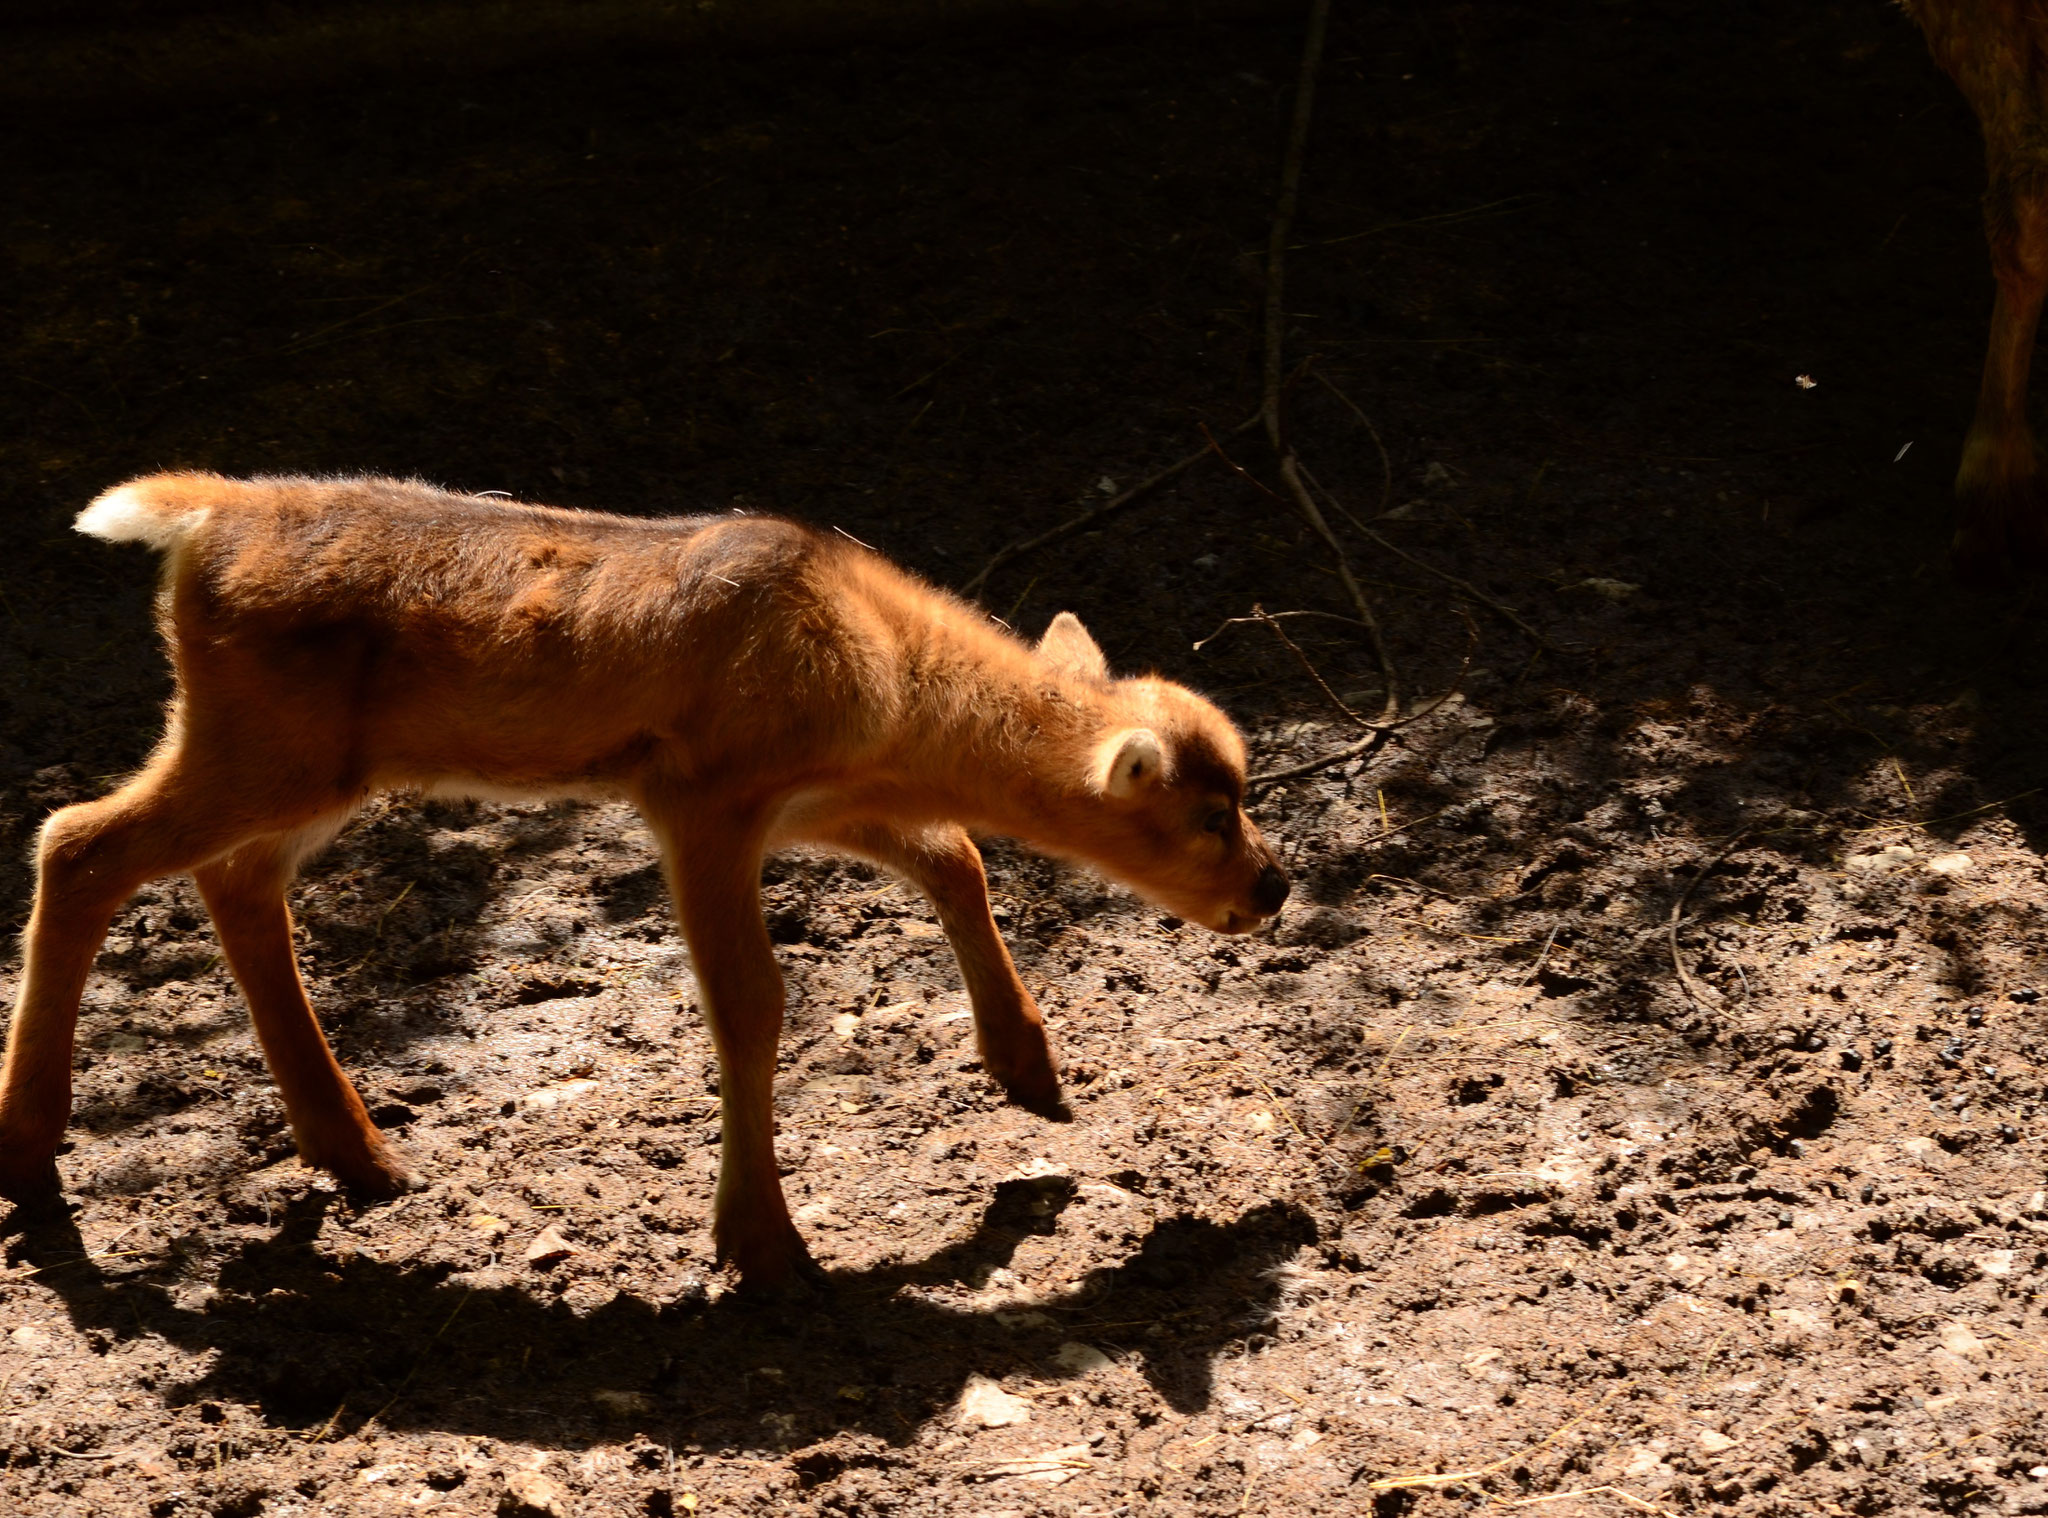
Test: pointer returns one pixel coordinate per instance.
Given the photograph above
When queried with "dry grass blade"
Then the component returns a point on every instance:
(1638, 1503)
(1494, 1467)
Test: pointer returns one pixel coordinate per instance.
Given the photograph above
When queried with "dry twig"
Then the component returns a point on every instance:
(1114, 504)
(1686, 983)
(1376, 731)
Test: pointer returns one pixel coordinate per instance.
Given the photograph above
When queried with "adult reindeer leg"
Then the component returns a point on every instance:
(244, 891)
(711, 853)
(2003, 522)
(1009, 1030)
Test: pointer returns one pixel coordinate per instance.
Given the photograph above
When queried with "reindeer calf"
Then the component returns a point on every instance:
(746, 683)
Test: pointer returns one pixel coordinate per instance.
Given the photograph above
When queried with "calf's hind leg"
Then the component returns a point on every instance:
(90, 860)
(244, 892)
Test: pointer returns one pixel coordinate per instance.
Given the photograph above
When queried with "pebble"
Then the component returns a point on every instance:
(1851, 1060)
(2026, 996)
(1881, 1048)
(1974, 1016)
(529, 1494)
(548, 1245)
(1082, 1359)
(987, 1404)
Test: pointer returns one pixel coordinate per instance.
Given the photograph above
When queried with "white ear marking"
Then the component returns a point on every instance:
(1135, 760)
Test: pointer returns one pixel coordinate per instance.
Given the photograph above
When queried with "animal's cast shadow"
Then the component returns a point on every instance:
(313, 1338)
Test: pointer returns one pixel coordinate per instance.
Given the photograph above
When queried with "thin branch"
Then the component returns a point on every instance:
(1686, 983)
(1273, 616)
(1283, 216)
(1290, 475)
(1379, 730)
(1238, 469)
(1386, 494)
(1259, 615)
(1386, 459)
(1499, 609)
(1097, 513)
(1357, 750)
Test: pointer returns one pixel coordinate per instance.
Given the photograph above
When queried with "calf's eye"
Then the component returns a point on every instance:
(1217, 821)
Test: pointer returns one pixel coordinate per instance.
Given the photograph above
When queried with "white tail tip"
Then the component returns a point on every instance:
(132, 514)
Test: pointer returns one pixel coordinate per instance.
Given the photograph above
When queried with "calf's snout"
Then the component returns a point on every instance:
(1270, 889)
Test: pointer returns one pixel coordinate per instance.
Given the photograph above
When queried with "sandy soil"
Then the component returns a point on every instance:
(1449, 1192)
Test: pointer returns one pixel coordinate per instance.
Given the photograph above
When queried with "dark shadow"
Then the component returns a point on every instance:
(310, 1336)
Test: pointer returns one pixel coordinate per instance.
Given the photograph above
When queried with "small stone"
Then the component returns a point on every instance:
(529, 1494)
(1797, 1149)
(1880, 861)
(1607, 589)
(1949, 864)
(556, 1095)
(1881, 1049)
(1081, 1359)
(1974, 1016)
(985, 1403)
(1958, 1340)
(1714, 1442)
(2007, 1134)
(2026, 996)
(622, 1404)
(1851, 1060)
(548, 1246)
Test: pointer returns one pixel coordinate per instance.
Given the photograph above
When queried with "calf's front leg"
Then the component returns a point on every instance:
(712, 856)
(1009, 1030)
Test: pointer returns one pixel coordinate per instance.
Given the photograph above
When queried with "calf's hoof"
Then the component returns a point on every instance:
(1030, 1080)
(377, 1174)
(773, 1264)
(1040, 1095)
(31, 1184)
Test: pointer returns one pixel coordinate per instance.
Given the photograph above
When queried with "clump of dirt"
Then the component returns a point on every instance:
(1449, 1190)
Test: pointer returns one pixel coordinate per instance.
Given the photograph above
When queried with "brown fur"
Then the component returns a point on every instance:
(1997, 53)
(747, 683)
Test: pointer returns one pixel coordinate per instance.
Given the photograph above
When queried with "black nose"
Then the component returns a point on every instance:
(1270, 889)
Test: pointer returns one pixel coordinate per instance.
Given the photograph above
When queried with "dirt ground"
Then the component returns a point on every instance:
(1452, 1191)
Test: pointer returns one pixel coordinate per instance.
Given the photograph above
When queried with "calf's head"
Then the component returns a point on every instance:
(1163, 786)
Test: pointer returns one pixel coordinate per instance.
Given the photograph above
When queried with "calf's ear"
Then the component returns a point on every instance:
(1129, 762)
(1067, 647)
